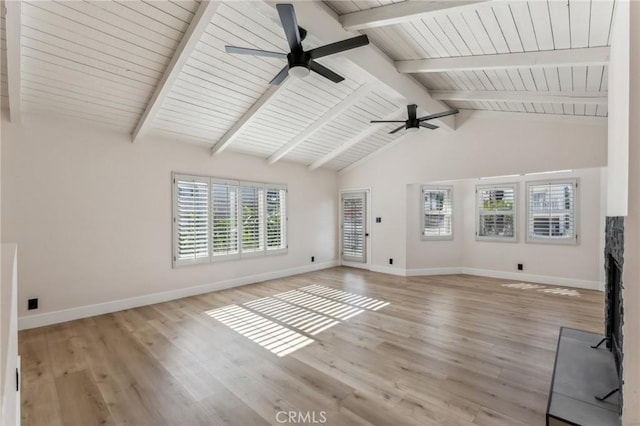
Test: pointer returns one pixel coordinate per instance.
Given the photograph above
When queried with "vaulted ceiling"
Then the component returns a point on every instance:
(159, 67)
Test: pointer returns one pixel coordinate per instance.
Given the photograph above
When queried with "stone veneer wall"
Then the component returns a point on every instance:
(614, 248)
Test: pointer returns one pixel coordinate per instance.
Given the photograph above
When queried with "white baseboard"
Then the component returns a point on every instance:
(540, 279)
(434, 271)
(388, 270)
(48, 318)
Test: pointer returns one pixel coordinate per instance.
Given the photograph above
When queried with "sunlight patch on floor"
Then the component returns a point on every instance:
(272, 321)
(544, 289)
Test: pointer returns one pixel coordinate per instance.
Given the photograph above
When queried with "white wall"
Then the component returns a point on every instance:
(430, 255)
(91, 213)
(578, 265)
(618, 131)
(631, 269)
(484, 146)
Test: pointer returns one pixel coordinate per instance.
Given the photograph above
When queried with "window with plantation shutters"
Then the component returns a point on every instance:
(252, 214)
(191, 219)
(276, 218)
(551, 212)
(437, 212)
(219, 219)
(496, 212)
(224, 218)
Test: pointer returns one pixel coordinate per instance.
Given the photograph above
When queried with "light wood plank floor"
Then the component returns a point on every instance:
(450, 350)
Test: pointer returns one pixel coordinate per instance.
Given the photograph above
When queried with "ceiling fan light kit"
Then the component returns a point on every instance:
(300, 63)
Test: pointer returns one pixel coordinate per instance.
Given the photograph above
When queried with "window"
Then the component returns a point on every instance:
(437, 213)
(551, 212)
(496, 213)
(217, 219)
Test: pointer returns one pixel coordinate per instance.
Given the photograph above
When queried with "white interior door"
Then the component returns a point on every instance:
(354, 231)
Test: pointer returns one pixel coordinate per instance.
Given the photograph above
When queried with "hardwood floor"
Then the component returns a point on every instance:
(450, 350)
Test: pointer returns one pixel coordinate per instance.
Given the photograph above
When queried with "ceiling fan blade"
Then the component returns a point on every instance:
(439, 115)
(412, 111)
(398, 129)
(279, 78)
(255, 52)
(429, 126)
(339, 46)
(387, 121)
(325, 72)
(290, 26)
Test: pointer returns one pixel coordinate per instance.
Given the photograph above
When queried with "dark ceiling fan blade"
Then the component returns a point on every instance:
(388, 121)
(339, 46)
(398, 129)
(429, 126)
(254, 52)
(303, 33)
(290, 26)
(438, 115)
(412, 111)
(279, 78)
(325, 72)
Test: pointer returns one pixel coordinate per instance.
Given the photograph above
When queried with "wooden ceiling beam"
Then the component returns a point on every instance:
(338, 109)
(575, 97)
(365, 133)
(13, 30)
(190, 39)
(548, 58)
(399, 13)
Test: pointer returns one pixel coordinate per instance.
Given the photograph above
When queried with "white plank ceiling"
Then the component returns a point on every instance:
(503, 27)
(102, 61)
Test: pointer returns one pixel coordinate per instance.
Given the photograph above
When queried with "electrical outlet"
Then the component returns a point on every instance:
(32, 304)
(313, 259)
(520, 267)
(390, 261)
(378, 220)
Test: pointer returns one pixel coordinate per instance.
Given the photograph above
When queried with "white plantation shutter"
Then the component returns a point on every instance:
(551, 211)
(437, 212)
(496, 216)
(191, 219)
(252, 215)
(276, 221)
(353, 227)
(224, 218)
(219, 219)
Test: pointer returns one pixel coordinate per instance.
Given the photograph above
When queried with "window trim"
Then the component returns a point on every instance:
(423, 189)
(576, 207)
(514, 239)
(210, 180)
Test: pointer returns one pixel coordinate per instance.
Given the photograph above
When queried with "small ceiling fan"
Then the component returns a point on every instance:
(413, 123)
(301, 62)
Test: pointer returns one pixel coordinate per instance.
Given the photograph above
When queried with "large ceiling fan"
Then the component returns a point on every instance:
(301, 62)
(413, 123)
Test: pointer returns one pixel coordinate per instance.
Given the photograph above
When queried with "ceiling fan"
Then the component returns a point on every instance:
(301, 62)
(413, 123)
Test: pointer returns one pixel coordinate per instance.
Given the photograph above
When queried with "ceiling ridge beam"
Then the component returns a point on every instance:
(555, 97)
(234, 132)
(365, 133)
(324, 24)
(399, 13)
(548, 58)
(190, 39)
(347, 102)
(13, 33)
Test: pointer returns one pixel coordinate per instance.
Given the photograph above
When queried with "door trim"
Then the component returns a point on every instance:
(367, 263)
